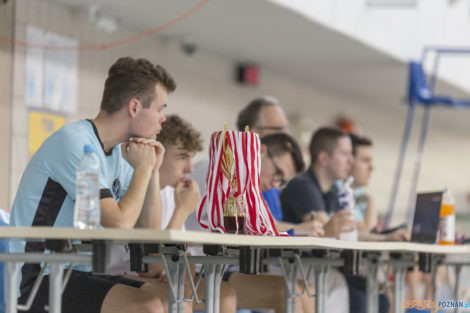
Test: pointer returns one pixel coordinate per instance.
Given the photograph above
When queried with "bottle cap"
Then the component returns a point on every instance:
(349, 180)
(89, 149)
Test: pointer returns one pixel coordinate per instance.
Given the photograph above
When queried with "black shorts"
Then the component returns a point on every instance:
(84, 292)
(226, 276)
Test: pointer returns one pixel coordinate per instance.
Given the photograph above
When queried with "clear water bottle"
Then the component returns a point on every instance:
(87, 192)
(347, 202)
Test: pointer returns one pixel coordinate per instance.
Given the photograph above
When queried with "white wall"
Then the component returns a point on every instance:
(402, 32)
(399, 31)
(207, 96)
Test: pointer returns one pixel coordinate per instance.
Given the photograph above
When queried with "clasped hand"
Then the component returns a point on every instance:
(143, 153)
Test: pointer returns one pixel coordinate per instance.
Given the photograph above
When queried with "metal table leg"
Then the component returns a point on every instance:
(290, 270)
(458, 269)
(372, 287)
(12, 271)
(320, 279)
(175, 273)
(433, 277)
(209, 288)
(398, 282)
(55, 287)
(213, 278)
(220, 270)
(181, 273)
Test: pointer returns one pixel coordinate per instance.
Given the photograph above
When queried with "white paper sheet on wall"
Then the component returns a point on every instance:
(34, 62)
(51, 75)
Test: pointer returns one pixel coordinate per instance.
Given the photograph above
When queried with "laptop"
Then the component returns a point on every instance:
(426, 217)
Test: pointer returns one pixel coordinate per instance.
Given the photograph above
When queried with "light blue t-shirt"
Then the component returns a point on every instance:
(46, 193)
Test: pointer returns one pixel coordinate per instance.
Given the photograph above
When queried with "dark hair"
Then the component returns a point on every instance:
(359, 141)
(324, 139)
(249, 116)
(177, 131)
(133, 78)
(279, 144)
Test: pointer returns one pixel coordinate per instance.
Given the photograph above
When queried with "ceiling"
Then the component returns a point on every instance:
(279, 40)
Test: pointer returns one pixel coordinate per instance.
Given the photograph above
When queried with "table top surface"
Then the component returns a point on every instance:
(199, 238)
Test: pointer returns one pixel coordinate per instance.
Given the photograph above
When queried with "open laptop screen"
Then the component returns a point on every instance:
(426, 219)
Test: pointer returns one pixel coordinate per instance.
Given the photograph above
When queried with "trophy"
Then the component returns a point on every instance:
(233, 202)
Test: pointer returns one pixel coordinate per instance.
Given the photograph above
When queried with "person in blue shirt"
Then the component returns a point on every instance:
(281, 159)
(123, 135)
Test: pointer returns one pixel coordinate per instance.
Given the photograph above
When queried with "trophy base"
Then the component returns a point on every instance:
(230, 224)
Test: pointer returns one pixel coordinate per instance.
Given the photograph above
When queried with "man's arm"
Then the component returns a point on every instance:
(311, 228)
(125, 213)
(398, 235)
(187, 197)
(151, 215)
(370, 219)
(339, 222)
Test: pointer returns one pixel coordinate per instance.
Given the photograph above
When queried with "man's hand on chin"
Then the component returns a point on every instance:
(159, 150)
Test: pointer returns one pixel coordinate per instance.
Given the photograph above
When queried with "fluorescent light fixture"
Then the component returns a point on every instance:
(392, 3)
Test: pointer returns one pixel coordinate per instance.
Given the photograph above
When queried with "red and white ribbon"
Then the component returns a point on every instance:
(246, 166)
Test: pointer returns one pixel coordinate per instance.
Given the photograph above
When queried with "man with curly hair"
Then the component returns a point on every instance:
(180, 197)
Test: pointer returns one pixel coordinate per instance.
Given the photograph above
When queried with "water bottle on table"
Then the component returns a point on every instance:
(87, 193)
(347, 202)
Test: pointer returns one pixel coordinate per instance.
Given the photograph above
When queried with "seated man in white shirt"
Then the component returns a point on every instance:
(180, 197)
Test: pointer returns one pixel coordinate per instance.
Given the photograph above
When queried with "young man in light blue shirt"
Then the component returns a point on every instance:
(123, 135)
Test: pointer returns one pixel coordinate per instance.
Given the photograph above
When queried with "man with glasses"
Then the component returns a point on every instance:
(264, 116)
(281, 159)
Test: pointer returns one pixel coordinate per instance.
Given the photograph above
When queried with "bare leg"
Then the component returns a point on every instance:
(123, 298)
(307, 305)
(155, 286)
(265, 292)
(228, 298)
(414, 280)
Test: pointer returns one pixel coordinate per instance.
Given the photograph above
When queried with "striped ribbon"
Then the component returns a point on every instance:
(246, 166)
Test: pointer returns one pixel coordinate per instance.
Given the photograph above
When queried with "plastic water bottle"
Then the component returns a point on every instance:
(347, 202)
(87, 197)
(447, 219)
